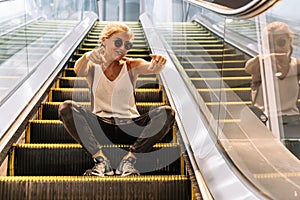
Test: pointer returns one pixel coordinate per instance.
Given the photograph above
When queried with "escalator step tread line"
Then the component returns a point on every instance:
(50, 163)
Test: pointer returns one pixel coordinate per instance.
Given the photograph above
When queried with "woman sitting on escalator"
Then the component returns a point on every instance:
(114, 118)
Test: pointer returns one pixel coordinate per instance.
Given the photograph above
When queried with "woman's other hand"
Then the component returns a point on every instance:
(157, 60)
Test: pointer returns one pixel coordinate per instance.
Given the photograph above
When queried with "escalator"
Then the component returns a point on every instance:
(233, 156)
(48, 163)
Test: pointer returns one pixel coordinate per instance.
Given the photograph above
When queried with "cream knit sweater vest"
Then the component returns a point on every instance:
(114, 98)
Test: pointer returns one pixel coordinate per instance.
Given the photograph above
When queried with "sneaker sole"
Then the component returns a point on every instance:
(111, 173)
(91, 173)
(129, 174)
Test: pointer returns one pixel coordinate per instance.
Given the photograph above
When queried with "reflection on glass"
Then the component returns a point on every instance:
(285, 70)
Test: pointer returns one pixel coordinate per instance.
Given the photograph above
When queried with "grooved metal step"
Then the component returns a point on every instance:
(173, 187)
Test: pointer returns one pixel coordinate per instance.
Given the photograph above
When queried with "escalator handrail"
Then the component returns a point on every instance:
(251, 9)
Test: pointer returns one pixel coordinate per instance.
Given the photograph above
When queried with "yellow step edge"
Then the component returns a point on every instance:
(223, 89)
(221, 78)
(213, 62)
(77, 145)
(143, 178)
(215, 70)
(87, 89)
(88, 103)
(229, 103)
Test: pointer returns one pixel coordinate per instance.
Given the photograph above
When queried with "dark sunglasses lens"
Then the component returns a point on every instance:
(281, 42)
(118, 43)
(128, 45)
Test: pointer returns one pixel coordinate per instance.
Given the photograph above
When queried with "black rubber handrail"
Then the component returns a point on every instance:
(243, 10)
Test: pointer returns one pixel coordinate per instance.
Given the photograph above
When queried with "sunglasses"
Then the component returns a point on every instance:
(281, 42)
(118, 43)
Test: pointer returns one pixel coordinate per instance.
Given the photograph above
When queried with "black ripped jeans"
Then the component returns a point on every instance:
(92, 131)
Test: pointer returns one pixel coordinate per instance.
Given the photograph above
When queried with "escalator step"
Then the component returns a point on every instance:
(170, 187)
(63, 94)
(49, 110)
(53, 131)
(71, 82)
(213, 64)
(72, 160)
(190, 43)
(228, 110)
(201, 51)
(226, 72)
(192, 47)
(221, 57)
(225, 94)
(83, 95)
(47, 131)
(215, 82)
(94, 45)
(131, 51)
(69, 71)
(144, 56)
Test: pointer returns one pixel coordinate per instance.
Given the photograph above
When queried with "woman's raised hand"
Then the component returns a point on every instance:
(96, 56)
(157, 60)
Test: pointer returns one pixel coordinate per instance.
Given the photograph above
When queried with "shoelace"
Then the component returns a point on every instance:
(128, 167)
(99, 167)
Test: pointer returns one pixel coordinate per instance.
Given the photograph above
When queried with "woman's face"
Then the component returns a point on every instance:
(117, 46)
(280, 43)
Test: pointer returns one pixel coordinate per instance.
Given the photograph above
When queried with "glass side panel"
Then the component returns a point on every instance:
(211, 53)
(31, 31)
(266, 107)
(131, 10)
(111, 10)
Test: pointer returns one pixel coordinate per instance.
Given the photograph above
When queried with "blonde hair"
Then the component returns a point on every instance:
(113, 28)
(278, 28)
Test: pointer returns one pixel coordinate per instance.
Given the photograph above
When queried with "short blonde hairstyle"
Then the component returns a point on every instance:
(278, 28)
(113, 28)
